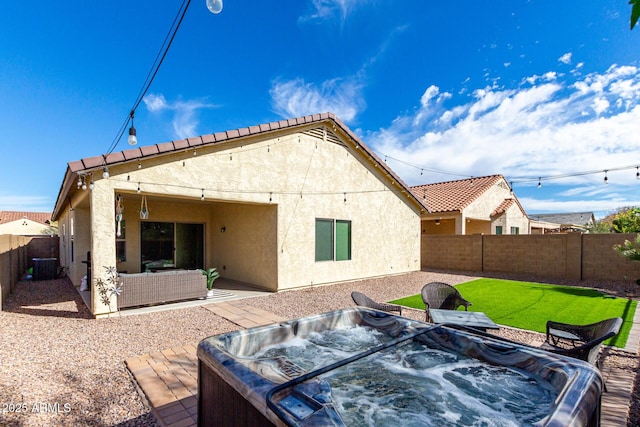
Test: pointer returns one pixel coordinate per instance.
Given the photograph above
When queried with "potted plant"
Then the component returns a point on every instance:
(211, 274)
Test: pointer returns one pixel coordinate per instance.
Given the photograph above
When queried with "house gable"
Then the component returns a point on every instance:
(325, 126)
(453, 196)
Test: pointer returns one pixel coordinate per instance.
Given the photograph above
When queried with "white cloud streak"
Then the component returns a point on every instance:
(296, 98)
(566, 58)
(185, 119)
(323, 10)
(548, 126)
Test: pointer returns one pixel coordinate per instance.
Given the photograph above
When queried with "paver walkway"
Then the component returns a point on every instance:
(168, 379)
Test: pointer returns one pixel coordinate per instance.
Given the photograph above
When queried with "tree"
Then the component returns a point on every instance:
(629, 250)
(635, 12)
(602, 226)
(627, 221)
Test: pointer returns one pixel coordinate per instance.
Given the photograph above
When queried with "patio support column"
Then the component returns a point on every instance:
(460, 225)
(103, 238)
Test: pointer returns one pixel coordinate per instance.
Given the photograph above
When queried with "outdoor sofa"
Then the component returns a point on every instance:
(139, 289)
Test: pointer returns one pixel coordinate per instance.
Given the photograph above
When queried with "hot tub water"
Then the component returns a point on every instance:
(359, 366)
(431, 387)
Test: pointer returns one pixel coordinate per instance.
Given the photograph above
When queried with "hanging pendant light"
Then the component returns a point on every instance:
(133, 139)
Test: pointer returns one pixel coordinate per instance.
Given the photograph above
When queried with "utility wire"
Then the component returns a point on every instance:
(162, 53)
(514, 180)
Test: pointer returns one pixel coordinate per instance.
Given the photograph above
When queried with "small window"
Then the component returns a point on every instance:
(324, 240)
(498, 229)
(515, 230)
(343, 240)
(333, 240)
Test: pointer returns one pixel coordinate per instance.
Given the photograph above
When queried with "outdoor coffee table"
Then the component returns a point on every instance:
(471, 319)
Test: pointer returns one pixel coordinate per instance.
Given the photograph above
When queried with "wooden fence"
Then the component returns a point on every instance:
(16, 255)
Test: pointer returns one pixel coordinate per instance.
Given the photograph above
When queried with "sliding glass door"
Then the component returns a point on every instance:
(169, 245)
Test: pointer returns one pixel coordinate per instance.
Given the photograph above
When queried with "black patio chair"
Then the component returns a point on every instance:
(364, 301)
(439, 295)
(580, 341)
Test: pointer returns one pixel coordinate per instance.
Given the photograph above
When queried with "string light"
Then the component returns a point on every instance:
(138, 187)
(132, 139)
(202, 197)
(514, 179)
(214, 6)
(606, 180)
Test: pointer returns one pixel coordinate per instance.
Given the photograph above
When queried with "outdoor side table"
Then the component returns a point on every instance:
(471, 319)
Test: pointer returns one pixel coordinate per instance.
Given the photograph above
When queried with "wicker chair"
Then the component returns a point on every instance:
(364, 301)
(440, 295)
(580, 341)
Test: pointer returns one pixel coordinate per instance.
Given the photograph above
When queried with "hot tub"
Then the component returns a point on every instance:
(359, 366)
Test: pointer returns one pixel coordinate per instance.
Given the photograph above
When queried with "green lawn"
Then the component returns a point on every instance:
(527, 305)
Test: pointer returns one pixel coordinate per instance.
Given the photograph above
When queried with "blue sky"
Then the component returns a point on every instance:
(443, 90)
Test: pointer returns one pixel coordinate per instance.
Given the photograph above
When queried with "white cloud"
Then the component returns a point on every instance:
(185, 120)
(155, 102)
(550, 128)
(566, 58)
(321, 10)
(294, 98)
(9, 202)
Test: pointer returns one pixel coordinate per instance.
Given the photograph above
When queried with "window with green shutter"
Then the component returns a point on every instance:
(324, 240)
(343, 240)
(333, 240)
(498, 229)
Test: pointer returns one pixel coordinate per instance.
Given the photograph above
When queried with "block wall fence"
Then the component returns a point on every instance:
(571, 256)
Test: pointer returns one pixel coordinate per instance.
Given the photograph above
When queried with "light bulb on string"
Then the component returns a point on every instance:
(132, 139)
(539, 182)
(606, 180)
(637, 172)
(214, 6)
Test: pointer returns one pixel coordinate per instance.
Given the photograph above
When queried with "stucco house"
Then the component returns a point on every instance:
(564, 222)
(280, 205)
(26, 223)
(479, 205)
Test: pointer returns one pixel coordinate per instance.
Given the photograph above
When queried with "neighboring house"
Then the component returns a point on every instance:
(26, 223)
(479, 205)
(280, 205)
(564, 222)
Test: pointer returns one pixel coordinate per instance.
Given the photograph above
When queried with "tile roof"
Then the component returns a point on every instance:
(502, 207)
(10, 216)
(454, 195)
(192, 143)
(98, 162)
(574, 218)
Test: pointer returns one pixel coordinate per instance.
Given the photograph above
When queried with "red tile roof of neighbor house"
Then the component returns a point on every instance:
(10, 216)
(502, 207)
(454, 195)
(91, 163)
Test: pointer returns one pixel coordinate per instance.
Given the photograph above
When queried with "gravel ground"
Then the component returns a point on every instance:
(60, 367)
